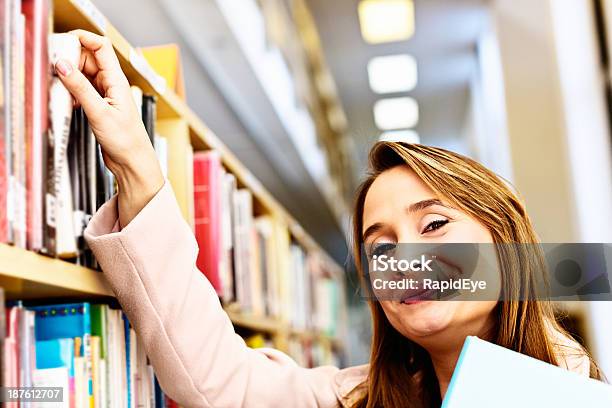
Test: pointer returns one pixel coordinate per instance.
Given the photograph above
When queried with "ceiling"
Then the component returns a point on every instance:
(444, 45)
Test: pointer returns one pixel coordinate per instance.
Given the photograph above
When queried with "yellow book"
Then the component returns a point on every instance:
(282, 243)
(256, 341)
(166, 61)
(176, 133)
(95, 400)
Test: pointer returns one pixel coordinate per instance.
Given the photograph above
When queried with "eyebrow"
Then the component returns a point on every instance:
(412, 208)
(421, 205)
(372, 229)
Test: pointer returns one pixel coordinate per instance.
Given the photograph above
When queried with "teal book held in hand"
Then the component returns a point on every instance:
(488, 375)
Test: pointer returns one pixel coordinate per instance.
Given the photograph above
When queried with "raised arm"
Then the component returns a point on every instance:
(148, 252)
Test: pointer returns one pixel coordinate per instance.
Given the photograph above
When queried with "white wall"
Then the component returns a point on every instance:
(589, 148)
(486, 126)
(558, 130)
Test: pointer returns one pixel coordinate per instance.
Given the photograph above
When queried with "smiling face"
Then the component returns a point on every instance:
(400, 208)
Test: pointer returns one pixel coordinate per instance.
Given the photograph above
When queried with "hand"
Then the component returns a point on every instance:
(104, 93)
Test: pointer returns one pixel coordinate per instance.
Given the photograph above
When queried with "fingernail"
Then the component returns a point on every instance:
(63, 67)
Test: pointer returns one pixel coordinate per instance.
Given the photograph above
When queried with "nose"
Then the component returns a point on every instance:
(408, 234)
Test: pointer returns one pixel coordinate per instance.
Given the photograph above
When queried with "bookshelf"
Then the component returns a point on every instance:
(27, 275)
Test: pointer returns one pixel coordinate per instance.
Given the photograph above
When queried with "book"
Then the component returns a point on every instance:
(207, 203)
(60, 221)
(176, 134)
(149, 114)
(166, 61)
(226, 262)
(17, 152)
(2, 334)
(71, 320)
(5, 123)
(243, 220)
(37, 28)
(52, 172)
(52, 377)
(10, 376)
(489, 375)
(91, 351)
(56, 357)
(161, 150)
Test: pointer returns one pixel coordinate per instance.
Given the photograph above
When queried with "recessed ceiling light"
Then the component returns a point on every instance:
(392, 73)
(403, 136)
(386, 20)
(396, 113)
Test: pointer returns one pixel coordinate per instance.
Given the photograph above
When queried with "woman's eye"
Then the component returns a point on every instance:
(381, 249)
(434, 225)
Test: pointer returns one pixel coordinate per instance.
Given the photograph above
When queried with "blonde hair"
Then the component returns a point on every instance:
(401, 373)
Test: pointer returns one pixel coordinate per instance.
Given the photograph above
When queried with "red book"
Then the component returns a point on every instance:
(207, 173)
(11, 352)
(3, 185)
(171, 403)
(37, 14)
(4, 116)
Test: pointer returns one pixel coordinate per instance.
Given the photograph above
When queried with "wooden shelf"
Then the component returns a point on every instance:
(255, 323)
(28, 275)
(314, 336)
(69, 15)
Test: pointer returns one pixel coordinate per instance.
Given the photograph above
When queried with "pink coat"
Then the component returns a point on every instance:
(199, 360)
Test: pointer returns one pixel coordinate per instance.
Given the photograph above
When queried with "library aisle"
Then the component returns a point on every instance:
(261, 114)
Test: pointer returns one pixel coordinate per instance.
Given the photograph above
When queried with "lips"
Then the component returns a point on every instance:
(421, 295)
(442, 271)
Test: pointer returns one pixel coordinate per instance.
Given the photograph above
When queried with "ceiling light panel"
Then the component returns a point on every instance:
(384, 21)
(404, 136)
(396, 113)
(392, 73)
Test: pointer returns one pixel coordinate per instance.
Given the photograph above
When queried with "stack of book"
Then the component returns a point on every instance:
(52, 173)
(250, 259)
(89, 350)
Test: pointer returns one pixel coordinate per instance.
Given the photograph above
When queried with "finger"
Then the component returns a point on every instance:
(81, 89)
(87, 63)
(100, 47)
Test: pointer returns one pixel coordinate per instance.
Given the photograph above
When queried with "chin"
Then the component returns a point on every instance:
(419, 319)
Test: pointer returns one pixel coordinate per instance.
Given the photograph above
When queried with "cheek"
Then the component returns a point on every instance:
(468, 230)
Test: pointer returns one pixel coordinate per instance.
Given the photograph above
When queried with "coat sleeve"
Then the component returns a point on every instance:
(198, 358)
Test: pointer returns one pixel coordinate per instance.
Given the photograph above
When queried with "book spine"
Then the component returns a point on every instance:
(65, 46)
(60, 217)
(4, 116)
(37, 14)
(16, 186)
(207, 195)
(149, 115)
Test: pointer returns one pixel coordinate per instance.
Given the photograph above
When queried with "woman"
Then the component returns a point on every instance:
(148, 253)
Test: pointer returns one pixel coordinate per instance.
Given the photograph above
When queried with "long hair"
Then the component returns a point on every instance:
(401, 373)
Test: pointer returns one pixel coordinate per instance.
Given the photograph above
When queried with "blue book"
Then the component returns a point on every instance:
(66, 321)
(55, 353)
(62, 321)
(160, 400)
(128, 368)
(488, 375)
